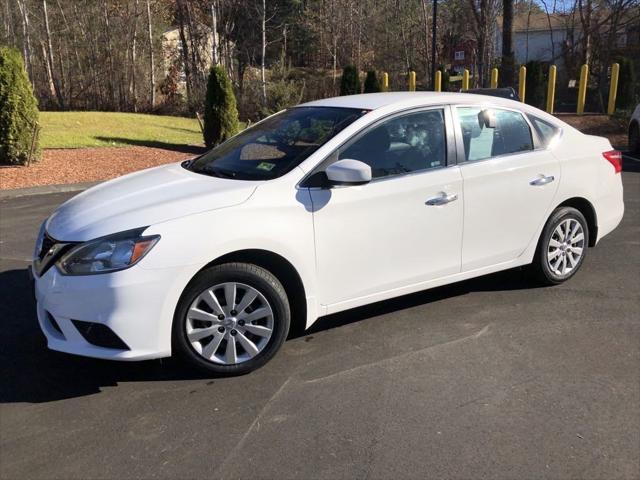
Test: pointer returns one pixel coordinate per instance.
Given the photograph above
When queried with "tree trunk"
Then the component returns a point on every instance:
(508, 67)
(152, 84)
(56, 84)
(185, 50)
(26, 39)
(134, 92)
(112, 91)
(425, 21)
(264, 53)
(214, 31)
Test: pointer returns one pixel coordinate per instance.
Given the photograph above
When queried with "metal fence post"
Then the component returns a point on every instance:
(438, 82)
(582, 89)
(522, 83)
(551, 89)
(613, 88)
(385, 82)
(494, 78)
(412, 81)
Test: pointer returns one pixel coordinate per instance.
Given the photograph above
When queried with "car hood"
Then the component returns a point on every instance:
(141, 199)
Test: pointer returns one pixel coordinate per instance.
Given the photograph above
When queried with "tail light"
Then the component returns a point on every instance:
(614, 157)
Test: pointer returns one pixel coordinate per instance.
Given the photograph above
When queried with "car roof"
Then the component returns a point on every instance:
(372, 101)
(396, 101)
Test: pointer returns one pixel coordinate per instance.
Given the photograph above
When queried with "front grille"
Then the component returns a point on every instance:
(99, 335)
(50, 253)
(47, 243)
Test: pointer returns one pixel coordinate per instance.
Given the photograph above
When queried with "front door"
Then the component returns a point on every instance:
(402, 228)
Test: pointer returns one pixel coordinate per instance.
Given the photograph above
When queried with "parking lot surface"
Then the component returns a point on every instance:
(486, 378)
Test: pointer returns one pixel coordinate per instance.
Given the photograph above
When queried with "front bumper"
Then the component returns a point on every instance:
(136, 305)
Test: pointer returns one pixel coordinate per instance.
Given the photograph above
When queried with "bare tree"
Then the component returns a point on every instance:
(508, 66)
(54, 80)
(152, 69)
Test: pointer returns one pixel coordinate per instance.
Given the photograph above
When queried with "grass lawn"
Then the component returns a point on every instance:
(112, 129)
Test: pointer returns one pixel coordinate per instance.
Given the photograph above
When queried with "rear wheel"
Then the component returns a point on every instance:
(562, 246)
(231, 319)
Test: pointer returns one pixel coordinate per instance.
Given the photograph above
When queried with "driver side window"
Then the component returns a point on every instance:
(404, 144)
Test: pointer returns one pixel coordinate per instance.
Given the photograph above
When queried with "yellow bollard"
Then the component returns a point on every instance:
(465, 79)
(438, 83)
(551, 89)
(582, 88)
(494, 78)
(522, 83)
(385, 82)
(613, 89)
(412, 81)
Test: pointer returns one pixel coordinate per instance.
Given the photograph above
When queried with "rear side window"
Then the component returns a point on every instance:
(509, 134)
(545, 130)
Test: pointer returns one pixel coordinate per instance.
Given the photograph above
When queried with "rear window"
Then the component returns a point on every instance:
(545, 130)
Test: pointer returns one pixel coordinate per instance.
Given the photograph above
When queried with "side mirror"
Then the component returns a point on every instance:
(348, 172)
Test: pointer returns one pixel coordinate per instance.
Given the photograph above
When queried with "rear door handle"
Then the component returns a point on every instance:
(442, 199)
(542, 180)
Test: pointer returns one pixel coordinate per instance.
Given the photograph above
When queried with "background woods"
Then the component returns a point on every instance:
(155, 55)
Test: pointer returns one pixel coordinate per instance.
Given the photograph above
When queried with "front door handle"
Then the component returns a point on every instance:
(442, 199)
(542, 180)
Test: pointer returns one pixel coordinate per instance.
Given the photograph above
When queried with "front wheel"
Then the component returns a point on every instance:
(231, 319)
(562, 246)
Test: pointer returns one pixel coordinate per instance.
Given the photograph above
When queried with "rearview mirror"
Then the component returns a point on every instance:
(348, 172)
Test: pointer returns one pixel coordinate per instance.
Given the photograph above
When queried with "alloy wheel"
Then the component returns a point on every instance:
(229, 323)
(566, 247)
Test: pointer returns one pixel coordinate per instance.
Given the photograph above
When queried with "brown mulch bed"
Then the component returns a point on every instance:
(615, 129)
(63, 166)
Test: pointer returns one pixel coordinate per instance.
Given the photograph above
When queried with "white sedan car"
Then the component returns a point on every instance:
(320, 208)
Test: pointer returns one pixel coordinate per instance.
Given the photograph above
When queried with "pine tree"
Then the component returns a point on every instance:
(371, 83)
(220, 111)
(18, 109)
(350, 83)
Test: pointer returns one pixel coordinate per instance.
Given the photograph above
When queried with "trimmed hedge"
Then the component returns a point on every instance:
(371, 82)
(220, 110)
(350, 82)
(18, 110)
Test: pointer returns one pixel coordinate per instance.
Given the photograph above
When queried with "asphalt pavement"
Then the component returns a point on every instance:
(488, 378)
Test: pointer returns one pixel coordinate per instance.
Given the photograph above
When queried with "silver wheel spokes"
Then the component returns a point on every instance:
(229, 323)
(565, 247)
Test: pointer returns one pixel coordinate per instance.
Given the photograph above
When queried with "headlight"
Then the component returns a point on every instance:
(107, 254)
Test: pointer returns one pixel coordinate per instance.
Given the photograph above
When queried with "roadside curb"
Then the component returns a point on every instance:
(28, 191)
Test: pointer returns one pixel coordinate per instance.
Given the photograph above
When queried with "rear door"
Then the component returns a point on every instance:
(509, 181)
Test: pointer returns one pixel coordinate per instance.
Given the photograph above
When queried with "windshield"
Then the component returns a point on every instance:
(275, 146)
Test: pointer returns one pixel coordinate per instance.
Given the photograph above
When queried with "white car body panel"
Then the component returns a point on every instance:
(350, 246)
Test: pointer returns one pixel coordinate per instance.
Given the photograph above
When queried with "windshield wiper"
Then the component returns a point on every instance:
(222, 173)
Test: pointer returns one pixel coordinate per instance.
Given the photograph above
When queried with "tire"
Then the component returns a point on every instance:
(204, 330)
(634, 138)
(561, 220)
